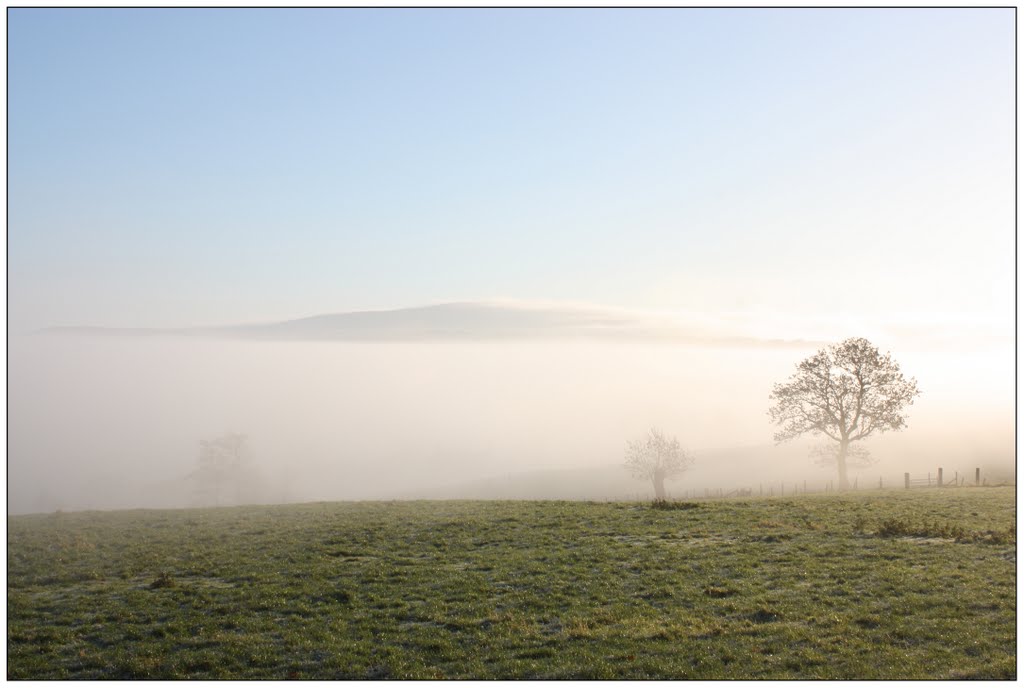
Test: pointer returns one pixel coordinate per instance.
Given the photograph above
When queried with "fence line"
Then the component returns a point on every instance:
(938, 481)
(781, 488)
(774, 489)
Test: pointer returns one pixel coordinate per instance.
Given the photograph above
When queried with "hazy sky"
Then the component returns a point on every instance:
(185, 167)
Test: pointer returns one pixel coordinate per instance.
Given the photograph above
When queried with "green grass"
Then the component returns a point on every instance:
(916, 584)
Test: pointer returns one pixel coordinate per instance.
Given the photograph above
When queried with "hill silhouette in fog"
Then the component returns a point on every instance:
(463, 320)
(726, 468)
(747, 467)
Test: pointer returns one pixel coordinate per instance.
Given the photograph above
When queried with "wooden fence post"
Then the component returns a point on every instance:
(938, 481)
(879, 482)
(977, 476)
(906, 480)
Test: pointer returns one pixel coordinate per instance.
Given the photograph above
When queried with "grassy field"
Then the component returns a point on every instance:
(917, 584)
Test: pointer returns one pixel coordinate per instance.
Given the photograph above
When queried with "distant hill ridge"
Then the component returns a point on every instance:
(454, 321)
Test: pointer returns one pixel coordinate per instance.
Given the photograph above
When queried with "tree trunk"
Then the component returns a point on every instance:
(659, 486)
(844, 447)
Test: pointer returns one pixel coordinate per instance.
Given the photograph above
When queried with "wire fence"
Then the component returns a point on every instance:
(783, 488)
(937, 480)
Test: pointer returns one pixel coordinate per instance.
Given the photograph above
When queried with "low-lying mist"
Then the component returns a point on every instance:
(115, 422)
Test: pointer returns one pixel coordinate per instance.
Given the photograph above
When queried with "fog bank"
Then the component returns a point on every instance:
(115, 422)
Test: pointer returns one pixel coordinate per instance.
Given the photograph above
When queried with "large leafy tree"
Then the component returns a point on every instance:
(657, 458)
(845, 392)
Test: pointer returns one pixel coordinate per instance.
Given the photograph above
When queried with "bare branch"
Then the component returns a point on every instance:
(657, 456)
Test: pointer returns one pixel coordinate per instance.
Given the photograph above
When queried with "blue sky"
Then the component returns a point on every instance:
(187, 167)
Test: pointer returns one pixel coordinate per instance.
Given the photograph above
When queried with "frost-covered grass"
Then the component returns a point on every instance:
(916, 584)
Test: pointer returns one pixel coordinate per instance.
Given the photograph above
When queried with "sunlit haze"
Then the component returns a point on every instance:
(572, 226)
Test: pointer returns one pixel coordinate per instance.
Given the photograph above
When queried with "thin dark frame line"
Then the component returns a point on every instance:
(521, 7)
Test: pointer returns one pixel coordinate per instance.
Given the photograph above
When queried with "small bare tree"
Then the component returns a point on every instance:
(846, 392)
(223, 462)
(657, 458)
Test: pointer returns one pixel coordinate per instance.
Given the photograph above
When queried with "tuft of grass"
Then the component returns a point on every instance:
(897, 527)
(718, 592)
(763, 615)
(902, 527)
(670, 505)
(162, 581)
